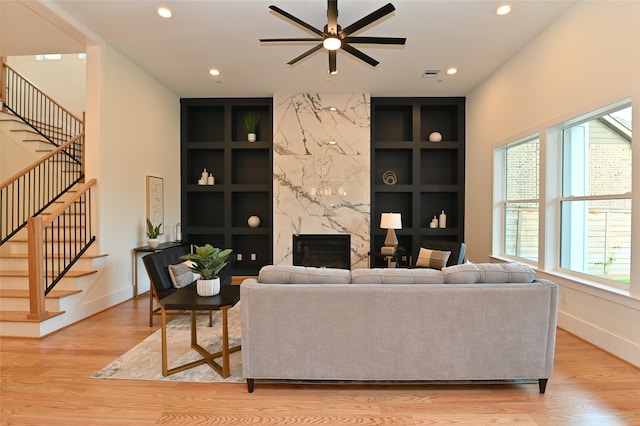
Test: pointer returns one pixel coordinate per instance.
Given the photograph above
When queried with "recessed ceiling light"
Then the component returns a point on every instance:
(332, 109)
(452, 71)
(164, 12)
(504, 9)
(214, 71)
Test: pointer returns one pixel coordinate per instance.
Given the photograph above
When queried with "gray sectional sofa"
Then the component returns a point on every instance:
(467, 322)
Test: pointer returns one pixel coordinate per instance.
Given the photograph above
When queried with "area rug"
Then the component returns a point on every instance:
(144, 361)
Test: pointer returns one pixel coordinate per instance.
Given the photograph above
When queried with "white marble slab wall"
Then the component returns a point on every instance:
(321, 170)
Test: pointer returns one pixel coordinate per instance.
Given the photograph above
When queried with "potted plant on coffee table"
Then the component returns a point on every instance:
(152, 233)
(208, 261)
(251, 120)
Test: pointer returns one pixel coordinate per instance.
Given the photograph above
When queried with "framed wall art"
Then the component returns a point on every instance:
(155, 201)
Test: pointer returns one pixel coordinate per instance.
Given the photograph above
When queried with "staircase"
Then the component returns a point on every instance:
(64, 304)
(38, 297)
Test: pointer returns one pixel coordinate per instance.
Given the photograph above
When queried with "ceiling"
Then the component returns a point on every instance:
(223, 34)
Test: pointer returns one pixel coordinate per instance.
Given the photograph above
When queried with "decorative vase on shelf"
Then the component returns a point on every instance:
(251, 137)
(435, 137)
(253, 221)
(153, 243)
(207, 288)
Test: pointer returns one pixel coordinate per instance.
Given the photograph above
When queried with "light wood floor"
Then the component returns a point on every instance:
(48, 382)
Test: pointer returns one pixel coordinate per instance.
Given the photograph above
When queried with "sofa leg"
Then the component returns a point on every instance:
(542, 384)
(250, 385)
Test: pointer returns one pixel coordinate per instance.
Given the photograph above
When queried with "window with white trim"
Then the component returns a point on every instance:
(517, 196)
(595, 202)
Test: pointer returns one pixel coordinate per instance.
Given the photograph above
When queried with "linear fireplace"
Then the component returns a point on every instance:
(322, 250)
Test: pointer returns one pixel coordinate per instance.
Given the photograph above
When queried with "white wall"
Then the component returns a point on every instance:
(587, 59)
(133, 130)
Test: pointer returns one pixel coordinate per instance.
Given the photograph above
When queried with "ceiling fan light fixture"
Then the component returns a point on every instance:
(332, 43)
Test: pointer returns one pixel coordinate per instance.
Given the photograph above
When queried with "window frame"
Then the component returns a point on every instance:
(501, 200)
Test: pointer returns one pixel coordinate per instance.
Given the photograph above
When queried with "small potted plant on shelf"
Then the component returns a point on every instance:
(152, 234)
(251, 120)
(208, 261)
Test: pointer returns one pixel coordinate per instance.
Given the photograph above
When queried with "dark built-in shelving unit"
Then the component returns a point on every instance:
(430, 175)
(213, 136)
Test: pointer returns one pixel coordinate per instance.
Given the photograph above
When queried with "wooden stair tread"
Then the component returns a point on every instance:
(70, 274)
(53, 294)
(21, 316)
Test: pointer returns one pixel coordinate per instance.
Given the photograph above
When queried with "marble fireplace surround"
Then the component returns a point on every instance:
(321, 170)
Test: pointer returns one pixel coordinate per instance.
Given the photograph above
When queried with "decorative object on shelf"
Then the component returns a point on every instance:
(251, 120)
(177, 232)
(208, 261)
(442, 222)
(211, 180)
(391, 222)
(203, 177)
(435, 137)
(389, 178)
(152, 233)
(155, 201)
(253, 221)
(434, 223)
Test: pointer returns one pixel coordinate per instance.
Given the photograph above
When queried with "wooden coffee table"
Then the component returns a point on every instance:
(187, 299)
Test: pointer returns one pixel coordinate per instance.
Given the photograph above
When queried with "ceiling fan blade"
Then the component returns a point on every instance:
(305, 54)
(333, 68)
(358, 54)
(296, 20)
(271, 40)
(376, 40)
(332, 17)
(370, 18)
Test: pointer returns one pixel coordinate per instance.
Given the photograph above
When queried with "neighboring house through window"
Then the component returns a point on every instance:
(588, 183)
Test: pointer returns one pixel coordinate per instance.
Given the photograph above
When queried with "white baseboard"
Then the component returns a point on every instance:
(615, 345)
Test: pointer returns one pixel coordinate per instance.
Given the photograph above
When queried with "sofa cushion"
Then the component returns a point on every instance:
(471, 273)
(288, 274)
(467, 273)
(436, 259)
(181, 275)
(396, 276)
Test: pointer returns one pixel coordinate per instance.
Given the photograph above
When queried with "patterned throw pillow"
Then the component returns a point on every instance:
(181, 275)
(435, 259)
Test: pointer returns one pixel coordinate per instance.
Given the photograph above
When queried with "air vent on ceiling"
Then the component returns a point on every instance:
(430, 73)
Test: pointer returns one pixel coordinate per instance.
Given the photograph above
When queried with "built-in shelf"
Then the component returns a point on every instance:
(429, 175)
(213, 136)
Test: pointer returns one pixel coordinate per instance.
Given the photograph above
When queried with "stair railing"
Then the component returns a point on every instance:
(55, 243)
(37, 109)
(32, 190)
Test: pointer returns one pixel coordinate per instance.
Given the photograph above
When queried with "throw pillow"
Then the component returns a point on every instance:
(181, 275)
(435, 259)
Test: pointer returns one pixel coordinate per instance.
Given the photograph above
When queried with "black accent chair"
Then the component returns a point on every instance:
(157, 266)
(457, 249)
